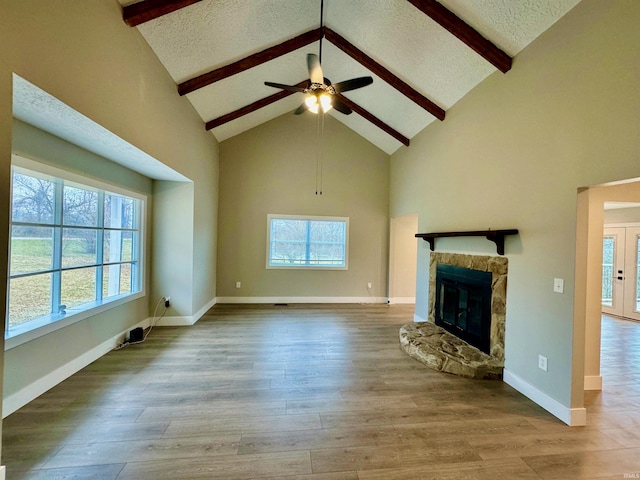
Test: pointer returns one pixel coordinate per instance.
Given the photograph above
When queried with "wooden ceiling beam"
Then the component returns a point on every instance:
(216, 122)
(373, 119)
(142, 12)
(383, 73)
(464, 32)
(249, 62)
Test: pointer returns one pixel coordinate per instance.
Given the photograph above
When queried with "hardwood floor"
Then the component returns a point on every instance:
(314, 393)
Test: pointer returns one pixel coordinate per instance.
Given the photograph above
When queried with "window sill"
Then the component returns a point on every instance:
(51, 323)
(303, 267)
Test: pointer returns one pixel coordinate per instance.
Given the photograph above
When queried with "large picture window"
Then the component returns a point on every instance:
(307, 242)
(74, 247)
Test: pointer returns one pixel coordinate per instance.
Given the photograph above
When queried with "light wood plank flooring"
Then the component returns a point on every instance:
(313, 393)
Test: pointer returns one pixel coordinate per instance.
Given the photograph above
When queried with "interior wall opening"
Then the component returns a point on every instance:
(596, 213)
(403, 258)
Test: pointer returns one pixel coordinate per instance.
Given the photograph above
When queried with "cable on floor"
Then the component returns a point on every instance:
(153, 324)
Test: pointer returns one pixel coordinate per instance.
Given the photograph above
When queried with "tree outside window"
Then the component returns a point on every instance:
(72, 247)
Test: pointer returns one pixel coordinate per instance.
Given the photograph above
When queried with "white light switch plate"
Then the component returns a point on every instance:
(542, 362)
(558, 285)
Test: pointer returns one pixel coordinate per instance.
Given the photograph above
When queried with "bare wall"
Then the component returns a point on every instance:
(622, 215)
(272, 169)
(512, 154)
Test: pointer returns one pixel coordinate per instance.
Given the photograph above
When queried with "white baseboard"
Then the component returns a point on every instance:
(593, 382)
(578, 417)
(2, 472)
(575, 417)
(418, 319)
(407, 300)
(302, 300)
(175, 321)
(184, 321)
(19, 399)
(200, 313)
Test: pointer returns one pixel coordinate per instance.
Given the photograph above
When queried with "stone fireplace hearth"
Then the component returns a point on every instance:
(442, 350)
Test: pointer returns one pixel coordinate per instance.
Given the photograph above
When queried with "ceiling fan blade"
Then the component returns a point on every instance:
(290, 88)
(340, 106)
(301, 109)
(315, 70)
(352, 84)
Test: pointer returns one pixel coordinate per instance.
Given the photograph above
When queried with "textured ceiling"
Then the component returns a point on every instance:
(214, 33)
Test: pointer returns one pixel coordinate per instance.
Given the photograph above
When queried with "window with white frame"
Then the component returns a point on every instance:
(75, 245)
(312, 242)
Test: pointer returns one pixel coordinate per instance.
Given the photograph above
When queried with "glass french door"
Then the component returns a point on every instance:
(620, 269)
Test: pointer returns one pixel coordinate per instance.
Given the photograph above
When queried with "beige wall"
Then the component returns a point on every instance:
(622, 215)
(83, 54)
(172, 258)
(403, 258)
(512, 154)
(271, 169)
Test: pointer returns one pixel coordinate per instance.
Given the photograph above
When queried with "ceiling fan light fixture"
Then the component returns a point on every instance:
(319, 90)
(315, 102)
(325, 102)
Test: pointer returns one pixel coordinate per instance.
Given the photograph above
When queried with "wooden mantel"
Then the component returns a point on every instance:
(496, 236)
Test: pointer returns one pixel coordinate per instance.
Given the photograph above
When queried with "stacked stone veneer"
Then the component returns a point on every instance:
(442, 351)
(498, 268)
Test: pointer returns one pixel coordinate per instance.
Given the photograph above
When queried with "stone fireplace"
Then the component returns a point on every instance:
(443, 349)
(463, 304)
(497, 266)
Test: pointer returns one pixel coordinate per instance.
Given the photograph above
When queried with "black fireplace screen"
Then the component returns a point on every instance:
(463, 304)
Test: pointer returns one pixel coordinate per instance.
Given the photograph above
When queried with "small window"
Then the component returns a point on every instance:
(307, 242)
(75, 246)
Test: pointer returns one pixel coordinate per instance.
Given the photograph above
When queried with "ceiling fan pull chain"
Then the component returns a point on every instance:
(318, 156)
(321, 148)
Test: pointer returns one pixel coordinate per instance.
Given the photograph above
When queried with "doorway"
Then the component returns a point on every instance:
(620, 279)
(403, 259)
(599, 206)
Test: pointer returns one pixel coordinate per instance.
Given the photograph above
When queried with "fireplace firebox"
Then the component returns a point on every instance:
(463, 304)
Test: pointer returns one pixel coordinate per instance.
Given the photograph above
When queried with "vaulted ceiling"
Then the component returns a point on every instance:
(423, 55)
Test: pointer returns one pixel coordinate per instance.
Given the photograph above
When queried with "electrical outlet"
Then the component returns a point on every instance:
(167, 301)
(369, 285)
(542, 362)
(238, 284)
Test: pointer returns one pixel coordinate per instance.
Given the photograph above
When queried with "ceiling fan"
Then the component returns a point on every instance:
(321, 95)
